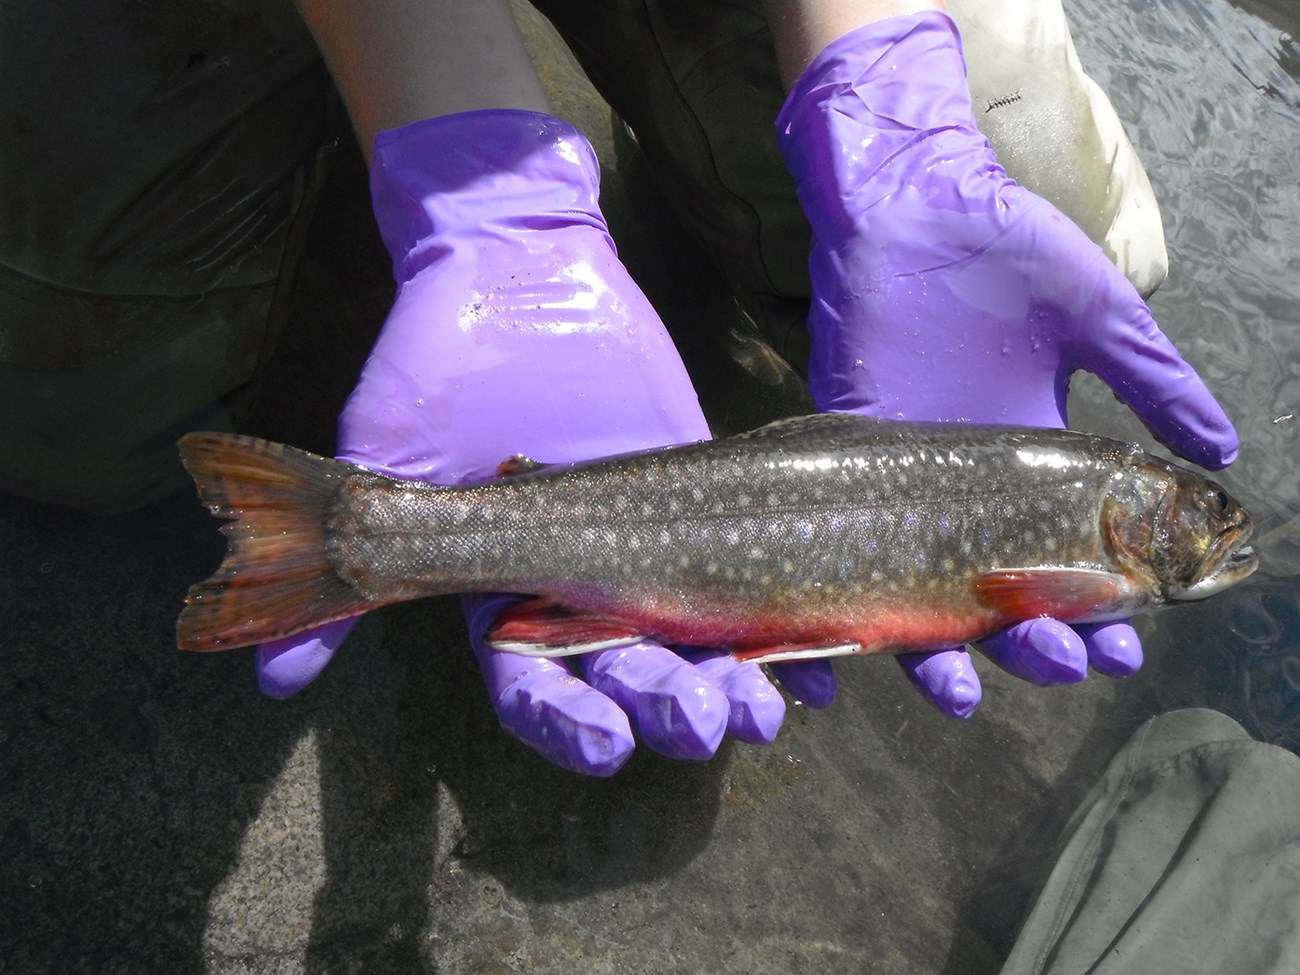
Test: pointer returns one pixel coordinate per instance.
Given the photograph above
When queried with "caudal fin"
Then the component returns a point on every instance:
(276, 578)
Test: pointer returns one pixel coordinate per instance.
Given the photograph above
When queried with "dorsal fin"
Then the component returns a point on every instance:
(828, 424)
(519, 464)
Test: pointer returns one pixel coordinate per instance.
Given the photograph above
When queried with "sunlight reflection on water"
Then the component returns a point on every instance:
(1211, 99)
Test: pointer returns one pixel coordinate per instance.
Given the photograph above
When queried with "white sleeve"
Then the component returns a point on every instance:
(1056, 132)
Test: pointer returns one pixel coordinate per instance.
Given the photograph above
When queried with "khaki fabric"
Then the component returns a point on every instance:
(1184, 858)
(154, 191)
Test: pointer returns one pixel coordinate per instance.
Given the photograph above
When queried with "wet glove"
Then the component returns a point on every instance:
(517, 331)
(942, 290)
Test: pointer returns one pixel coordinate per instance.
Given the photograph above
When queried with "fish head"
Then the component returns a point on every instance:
(1178, 531)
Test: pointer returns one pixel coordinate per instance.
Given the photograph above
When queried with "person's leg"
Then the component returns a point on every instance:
(153, 203)
(1185, 857)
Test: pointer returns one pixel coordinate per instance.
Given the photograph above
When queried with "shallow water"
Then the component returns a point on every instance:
(1210, 95)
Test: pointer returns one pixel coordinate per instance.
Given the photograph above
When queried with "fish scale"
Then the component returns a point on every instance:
(859, 514)
(833, 531)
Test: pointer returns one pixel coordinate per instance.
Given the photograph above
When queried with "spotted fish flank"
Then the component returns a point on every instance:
(814, 536)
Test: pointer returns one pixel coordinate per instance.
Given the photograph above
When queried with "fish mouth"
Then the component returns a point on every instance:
(1229, 561)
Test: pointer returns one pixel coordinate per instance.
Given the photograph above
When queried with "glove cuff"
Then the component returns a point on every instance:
(498, 171)
(912, 67)
(873, 99)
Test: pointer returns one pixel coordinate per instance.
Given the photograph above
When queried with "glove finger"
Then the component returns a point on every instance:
(1137, 360)
(674, 709)
(946, 677)
(284, 667)
(756, 706)
(554, 713)
(1041, 651)
(1113, 648)
(810, 681)
(543, 705)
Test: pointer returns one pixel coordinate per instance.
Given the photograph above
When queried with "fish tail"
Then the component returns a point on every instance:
(276, 578)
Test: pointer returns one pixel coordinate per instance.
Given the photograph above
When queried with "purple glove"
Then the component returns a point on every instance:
(945, 291)
(517, 331)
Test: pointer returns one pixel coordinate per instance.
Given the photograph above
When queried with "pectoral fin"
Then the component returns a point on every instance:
(543, 628)
(1070, 595)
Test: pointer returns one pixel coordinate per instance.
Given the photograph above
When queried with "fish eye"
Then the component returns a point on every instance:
(1219, 500)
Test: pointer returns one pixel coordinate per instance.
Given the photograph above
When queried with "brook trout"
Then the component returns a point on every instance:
(816, 536)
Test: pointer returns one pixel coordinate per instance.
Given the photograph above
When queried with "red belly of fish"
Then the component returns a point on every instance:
(886, 627)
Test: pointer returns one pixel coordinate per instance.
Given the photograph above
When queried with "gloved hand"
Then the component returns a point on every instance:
(942, 290)
(517, 331)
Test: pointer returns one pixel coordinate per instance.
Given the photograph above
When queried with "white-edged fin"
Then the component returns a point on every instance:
(1071, 595)
(568, 650)
(540, 627)
(787, 653)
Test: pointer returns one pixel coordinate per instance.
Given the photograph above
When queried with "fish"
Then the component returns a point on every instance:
(824, 535)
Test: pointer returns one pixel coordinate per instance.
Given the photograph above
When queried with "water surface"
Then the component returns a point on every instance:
(1210, 95)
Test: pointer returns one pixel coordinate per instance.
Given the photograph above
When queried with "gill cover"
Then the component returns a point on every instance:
(1130, 515)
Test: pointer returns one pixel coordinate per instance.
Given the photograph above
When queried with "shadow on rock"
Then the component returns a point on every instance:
(540, 830)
